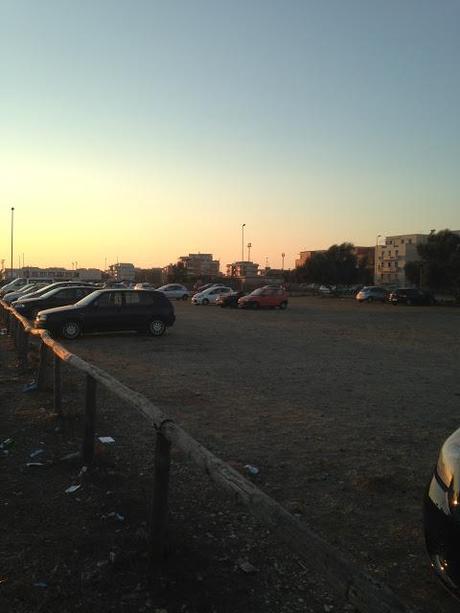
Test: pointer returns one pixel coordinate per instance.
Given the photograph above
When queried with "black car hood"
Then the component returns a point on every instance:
(67, 307)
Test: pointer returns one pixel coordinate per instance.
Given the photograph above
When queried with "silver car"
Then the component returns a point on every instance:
(174, 291)
(372, 293)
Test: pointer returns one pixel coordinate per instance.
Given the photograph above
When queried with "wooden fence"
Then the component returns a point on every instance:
(343, 576)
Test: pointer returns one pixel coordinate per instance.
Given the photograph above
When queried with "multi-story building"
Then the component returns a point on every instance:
(304, 256)
(242, 269)
(200, 265)
(122, 271)
(392, 256)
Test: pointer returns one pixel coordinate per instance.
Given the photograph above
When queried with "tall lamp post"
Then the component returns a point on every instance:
(376, 264)
(249, 251)
(283, 255)
(242, 242)
(12, 228)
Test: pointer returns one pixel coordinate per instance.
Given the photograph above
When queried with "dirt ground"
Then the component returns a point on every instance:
(342, 408)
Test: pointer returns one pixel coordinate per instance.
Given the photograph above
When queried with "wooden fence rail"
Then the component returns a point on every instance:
(343, 575)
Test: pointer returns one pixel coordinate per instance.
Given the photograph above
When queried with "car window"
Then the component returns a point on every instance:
(110, 299)
(66, 293)
(132, 298)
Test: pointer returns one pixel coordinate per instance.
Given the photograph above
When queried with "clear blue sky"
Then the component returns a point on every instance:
(144, 130)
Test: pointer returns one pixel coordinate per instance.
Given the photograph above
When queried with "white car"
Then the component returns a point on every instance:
(174, 291)
(144, 285)
(211, 294)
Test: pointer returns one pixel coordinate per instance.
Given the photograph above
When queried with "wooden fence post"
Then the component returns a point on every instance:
(23, 348)
(159, 512)
(57, 387)
(90, 421)
(42, 367)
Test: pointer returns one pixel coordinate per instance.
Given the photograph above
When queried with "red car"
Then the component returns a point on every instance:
(268, 296)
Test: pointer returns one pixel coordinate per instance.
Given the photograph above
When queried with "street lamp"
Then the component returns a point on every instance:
(282, 259)
(12, 227)
(249, 251)
(242, 242)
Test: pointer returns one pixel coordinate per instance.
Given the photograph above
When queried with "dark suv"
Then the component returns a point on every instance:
(411, 296)
(56, 297)
(109, 310)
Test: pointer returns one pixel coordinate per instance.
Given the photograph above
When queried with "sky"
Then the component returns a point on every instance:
(141, 131)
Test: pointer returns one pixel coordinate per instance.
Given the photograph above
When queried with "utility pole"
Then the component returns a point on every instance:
(12, 228)
(249, 251)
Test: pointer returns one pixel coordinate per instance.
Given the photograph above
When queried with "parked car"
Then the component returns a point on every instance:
(26, 290)
(268, 296)
(144, 285)
(110, 310)
(372, 293)
(50, 286)
(327, 290)
(442, 515)
(174, 291)
(411, 296)
(201, 288)
(56, 297)
(229, 300)
(210, 295)
(12, 286)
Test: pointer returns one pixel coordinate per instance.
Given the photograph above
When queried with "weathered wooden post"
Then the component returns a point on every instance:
(90, 421)
(57, 387)
(42, 367)
(23, 347)
(159, 512)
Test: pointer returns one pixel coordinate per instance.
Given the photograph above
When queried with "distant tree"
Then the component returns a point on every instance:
(413, 272)
(177, 273)
(336, 266)
(440, 261)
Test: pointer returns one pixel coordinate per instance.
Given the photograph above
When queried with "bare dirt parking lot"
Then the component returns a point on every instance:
(342, 407)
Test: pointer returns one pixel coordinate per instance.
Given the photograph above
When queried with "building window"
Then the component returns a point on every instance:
(402, 241)
(396, 252)
(410, 241)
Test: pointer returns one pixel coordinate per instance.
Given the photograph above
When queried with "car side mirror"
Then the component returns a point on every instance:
(442, 515)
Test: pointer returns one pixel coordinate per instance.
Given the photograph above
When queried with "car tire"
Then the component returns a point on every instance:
(205, 301)
(71, 330)
(255, 305)
(157, 327)
(283, 306)
(370, 299)
(185, 297)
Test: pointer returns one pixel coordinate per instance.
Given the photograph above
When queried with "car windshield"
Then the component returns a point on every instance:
(89, 298)
(258, 291)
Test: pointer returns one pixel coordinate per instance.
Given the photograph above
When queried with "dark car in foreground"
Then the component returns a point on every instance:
(59, 296)
(109, 310)
(442, 515)
(411, 296)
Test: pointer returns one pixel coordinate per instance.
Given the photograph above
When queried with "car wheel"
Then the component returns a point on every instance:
(185, 297)
(71, 330)
(370, 299)
(255, 305)
(283, 306)
(157, 327)
(205, 301)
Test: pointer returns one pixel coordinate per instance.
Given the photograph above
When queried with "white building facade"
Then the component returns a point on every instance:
(391, 257)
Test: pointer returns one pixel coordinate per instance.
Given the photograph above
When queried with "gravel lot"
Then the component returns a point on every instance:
(341, 406)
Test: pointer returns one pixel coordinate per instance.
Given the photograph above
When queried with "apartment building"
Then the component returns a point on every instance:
(122, 271)
(200, 265)
(242, 269)
(304, 256)
(391, 257)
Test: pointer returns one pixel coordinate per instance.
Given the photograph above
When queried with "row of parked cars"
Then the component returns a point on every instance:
(404, 295)
(68, 308)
